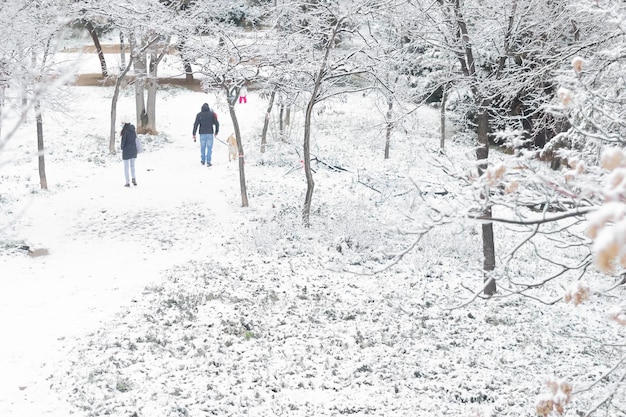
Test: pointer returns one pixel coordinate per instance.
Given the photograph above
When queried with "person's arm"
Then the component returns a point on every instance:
(217, 126)
(123, 141)
(195, 127)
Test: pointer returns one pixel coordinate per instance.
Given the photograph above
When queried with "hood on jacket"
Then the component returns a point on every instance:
(128, 127)
(205, 107)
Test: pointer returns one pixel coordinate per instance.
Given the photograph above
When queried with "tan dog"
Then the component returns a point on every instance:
(232, 148)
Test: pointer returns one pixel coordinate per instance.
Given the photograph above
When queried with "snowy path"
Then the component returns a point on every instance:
(96, 262)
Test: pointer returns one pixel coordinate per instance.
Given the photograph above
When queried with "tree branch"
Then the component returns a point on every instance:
(538, 221)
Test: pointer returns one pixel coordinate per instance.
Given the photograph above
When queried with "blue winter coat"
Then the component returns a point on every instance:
(129, 142)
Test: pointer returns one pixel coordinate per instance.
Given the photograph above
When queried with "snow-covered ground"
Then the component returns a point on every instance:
(170, 299)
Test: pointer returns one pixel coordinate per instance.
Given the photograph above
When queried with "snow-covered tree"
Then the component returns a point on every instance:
(556, 78)
(331, 59)
(508, 57)
(149, 26)
(591, 95)
(411, 70)
(27, 62)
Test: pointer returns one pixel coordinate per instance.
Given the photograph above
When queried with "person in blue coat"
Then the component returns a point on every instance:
(129, 150)
(204, 124)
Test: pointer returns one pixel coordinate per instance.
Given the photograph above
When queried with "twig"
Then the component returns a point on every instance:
(610, 395)
(333, 167)
(367, 185)
(598, 380)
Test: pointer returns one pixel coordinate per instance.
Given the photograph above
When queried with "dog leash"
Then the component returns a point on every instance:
(222, 141)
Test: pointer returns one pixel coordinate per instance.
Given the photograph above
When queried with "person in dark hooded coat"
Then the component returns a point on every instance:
(129, 150)
(205, 121)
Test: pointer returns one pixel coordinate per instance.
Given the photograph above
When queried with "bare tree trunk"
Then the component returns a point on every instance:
(150, 124)
(288, 116)
(40, 147)
(444, 97)
(468, 66)
(140, 64)
(96, 42)
(242, 173)
(319, 78)
(310, 183)
(482, 154)
(266, 123)
(153, 85)
(489, 253)
(281, 126)
(186, 63)
(2, 94)
(116, 93)
(389, 126)
(25, 105)
(122, 53)
(188, 72)
(140, 105)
